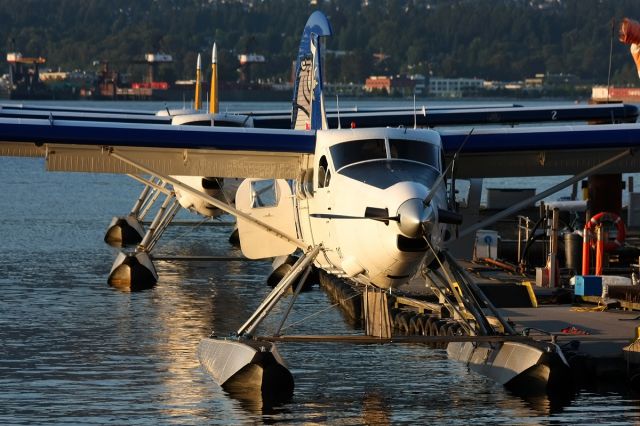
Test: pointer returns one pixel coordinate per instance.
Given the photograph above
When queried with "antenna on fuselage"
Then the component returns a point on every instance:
(415, 115)
(338, 109)
(208, 106)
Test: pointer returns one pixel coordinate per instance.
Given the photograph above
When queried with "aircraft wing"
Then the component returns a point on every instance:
(266, 153)
(422, 116)
(72, 108)
(89, 115)
(542, 151)
(170, 150)
(437, 117)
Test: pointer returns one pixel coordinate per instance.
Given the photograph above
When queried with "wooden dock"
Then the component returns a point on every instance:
(602, 334)
(591, 335)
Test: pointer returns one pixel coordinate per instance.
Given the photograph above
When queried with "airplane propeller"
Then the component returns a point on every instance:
(442, 176)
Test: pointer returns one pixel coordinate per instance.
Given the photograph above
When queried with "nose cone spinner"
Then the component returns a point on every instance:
(412, 215)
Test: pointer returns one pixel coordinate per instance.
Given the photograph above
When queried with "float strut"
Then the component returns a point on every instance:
(293, 298)
(278, 291)
(140, 201)
(149, 239)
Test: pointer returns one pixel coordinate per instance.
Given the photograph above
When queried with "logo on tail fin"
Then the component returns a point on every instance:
(308, 101)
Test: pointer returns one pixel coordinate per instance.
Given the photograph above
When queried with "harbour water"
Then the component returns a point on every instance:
(75, 351)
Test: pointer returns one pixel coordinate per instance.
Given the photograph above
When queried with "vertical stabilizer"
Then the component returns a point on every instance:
(308, 102)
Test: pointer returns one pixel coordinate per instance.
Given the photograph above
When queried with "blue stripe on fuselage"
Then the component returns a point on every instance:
(156, 136)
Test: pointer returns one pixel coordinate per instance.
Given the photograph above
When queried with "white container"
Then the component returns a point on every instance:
(486, 245)
(542, 277)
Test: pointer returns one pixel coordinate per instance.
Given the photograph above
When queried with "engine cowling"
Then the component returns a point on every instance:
(209, 185)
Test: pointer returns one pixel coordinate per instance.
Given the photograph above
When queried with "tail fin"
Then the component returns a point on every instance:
(308, 101)
(630, 34)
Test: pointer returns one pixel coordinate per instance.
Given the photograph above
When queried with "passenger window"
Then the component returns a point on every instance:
(323, 172)
(263, 193)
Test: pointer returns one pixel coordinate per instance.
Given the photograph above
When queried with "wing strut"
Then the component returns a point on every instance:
(213, 201)
(150, 184)
(278, 291)
(518, 206)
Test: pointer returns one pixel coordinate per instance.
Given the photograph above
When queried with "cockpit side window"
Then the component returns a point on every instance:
(421, 152)
(323, 172)
(327, 178)
(347, 153)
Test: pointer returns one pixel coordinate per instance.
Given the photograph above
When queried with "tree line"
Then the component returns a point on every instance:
(489, 39)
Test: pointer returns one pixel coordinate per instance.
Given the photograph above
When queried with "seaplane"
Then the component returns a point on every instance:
(369, 206)
(133, 269)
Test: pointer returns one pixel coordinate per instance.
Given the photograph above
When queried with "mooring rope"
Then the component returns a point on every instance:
(599, 308)
(188, 231)
(318, 312)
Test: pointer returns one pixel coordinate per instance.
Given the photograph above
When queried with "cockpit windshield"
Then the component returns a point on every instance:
(356, 151)
(344, 154)
(421, 152)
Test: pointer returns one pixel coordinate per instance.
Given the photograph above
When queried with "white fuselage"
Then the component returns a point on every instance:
(372, 172)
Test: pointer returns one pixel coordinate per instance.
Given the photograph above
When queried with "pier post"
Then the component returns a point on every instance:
(605, 193)
(600, 237)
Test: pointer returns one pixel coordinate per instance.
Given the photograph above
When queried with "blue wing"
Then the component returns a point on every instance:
(542, 151)
(422, 115)
(172, 150)
(242, 152)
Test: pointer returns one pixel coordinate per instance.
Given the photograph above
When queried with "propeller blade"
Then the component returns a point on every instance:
(334, 216)
(373, 213)
(440, 179)
(376, 213)
(434, 189)
(450, 217)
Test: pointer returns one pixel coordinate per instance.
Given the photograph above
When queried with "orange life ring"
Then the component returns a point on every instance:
(601, 217)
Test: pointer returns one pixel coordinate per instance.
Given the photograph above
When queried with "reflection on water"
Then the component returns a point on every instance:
(73, 350)
(254, 402)
(375, 409)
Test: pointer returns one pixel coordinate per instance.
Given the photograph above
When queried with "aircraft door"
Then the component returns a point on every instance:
(324, 203)
(271, 202)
